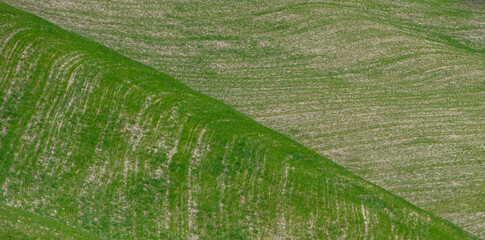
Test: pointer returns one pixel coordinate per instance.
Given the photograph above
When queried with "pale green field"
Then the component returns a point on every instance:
(93, 144)
(392, 90)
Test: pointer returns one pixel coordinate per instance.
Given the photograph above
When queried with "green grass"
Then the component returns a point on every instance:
(93, 140)
(379, 86)
(19, 224)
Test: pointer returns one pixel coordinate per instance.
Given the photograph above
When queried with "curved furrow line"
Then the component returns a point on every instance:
(377, 85)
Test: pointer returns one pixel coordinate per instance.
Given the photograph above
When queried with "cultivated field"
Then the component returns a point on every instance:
(19, 224)
(94, 143)
(392, 90)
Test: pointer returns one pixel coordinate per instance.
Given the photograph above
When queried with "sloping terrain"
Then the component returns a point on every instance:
(18, 224)
(113, 148)
(392, 90)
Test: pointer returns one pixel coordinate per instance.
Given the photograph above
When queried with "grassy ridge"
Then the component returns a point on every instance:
(116, 149)
(390, 89)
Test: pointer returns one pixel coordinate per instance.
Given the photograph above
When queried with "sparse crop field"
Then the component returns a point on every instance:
(19, 224)
(392, 90)
(93, 144)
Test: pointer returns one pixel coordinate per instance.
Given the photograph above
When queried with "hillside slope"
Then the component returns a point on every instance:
(116, 149)
(18, 224)
(391, 89)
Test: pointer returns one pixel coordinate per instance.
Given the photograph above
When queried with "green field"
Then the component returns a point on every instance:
(392, 90)
(93, 144)
(19, 224)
